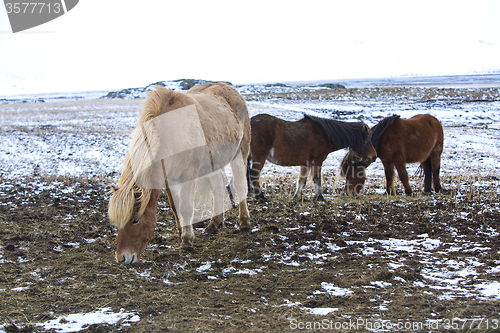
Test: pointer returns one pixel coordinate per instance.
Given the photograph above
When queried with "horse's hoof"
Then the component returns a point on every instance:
(245, 226)
(189, 249)
(320, 198)
(210, 230)
(260, 197)
(443, 191)
(245, 230)
(390, 191)
(187, 246)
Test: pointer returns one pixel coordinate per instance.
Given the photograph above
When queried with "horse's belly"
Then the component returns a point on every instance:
(272, 157)
(275, 158)
(281, 159)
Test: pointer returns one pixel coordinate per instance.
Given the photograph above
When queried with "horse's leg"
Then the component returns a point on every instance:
(316, 170)
(301, 181)
(255, 171)
(426, 166)
(389, 177)
(436, 166)
(183, 194)
(172, 205)
(238, 167)
(348, 187)
(217, 187)
(403, 176)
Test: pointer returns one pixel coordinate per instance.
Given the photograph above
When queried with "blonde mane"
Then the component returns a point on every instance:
(129, 196)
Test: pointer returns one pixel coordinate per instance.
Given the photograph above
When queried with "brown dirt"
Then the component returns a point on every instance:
(56, 241)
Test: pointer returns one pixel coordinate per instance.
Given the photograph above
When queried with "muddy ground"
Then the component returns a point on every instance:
(57, 258)
(369, 263)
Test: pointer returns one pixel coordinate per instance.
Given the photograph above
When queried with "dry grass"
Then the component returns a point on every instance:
(41, 225)
(395, 94)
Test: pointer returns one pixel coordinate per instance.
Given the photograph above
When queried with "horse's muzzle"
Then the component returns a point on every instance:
(126, 258)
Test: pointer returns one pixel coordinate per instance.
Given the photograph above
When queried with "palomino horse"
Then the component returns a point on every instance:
(398, 142)
(180, 137)
(307, 143)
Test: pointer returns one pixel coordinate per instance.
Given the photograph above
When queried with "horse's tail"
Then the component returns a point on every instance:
(424, 168)
(419, 172)
(249, 169)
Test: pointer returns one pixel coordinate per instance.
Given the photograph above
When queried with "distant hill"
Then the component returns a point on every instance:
(141, 92)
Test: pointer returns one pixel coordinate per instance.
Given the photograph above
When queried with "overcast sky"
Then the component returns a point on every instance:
(127, 43)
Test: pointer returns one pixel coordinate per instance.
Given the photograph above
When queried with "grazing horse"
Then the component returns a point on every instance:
(398, 142)
(306, 142)
(180, 137)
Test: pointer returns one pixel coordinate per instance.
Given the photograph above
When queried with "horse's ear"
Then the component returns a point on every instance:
(345, 164)
(367, 132)
(112, 188)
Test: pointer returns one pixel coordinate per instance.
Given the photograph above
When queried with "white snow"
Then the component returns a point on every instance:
(332, 290)
(489, 289)
(320, 311)
(77, 321)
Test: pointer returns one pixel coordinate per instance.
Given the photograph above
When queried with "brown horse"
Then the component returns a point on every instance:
(307, 143)
(180, 137)
(398, 142)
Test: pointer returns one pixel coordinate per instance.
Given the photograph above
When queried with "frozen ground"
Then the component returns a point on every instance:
(90, 137)
(443, 247)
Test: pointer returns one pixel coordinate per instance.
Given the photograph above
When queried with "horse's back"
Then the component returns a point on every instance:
(222, 103)
(292, 142)
(223, 91)
(263, 129)
(432, 126)
(429, 120)
(264, 123)
(413, 138)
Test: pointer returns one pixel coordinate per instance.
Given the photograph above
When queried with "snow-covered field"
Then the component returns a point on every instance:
(89, 138)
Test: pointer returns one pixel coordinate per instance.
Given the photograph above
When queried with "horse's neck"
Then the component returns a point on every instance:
(153, 201)
(350, 133)
(335, 146)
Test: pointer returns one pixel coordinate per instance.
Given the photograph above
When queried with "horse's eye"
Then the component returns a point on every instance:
(135, 221)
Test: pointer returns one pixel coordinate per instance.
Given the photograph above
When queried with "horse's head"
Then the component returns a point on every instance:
(365, 153)
(353, 169)
(355, 180)
(129, 210)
